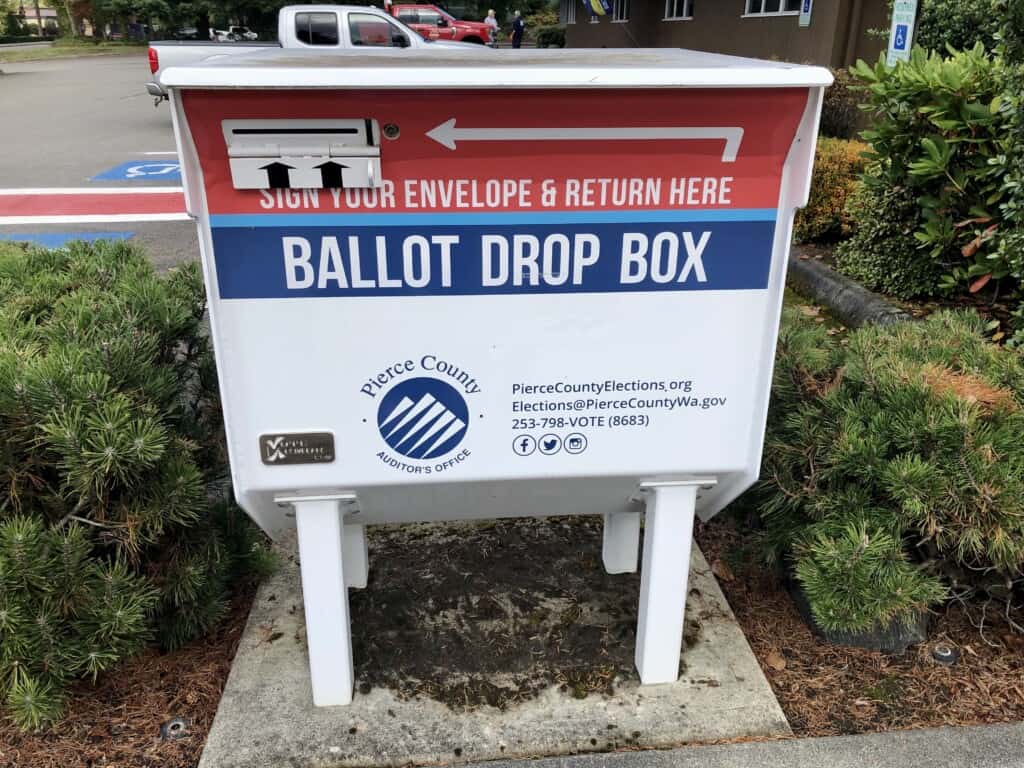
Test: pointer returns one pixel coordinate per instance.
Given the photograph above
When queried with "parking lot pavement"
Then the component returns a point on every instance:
(166, 243)
(67, 120)
(79, 126)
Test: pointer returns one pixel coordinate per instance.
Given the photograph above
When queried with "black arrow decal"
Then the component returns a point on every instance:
(330, 173)
(277, 175)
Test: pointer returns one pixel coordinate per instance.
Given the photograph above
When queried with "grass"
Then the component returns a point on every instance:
(68, 48)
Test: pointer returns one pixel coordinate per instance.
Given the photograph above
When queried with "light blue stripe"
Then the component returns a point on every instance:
(470, 219)
(60, 239)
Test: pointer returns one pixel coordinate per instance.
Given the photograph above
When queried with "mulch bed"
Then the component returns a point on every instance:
(828, 690)
(824, 690)
(118, 721)
(493, 613)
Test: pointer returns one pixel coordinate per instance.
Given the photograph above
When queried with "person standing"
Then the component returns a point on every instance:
(492, 27)
(518, 28)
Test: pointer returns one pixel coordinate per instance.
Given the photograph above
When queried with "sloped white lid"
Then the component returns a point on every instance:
(481, 67)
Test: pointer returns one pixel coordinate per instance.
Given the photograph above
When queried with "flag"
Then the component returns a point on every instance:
(598, 7)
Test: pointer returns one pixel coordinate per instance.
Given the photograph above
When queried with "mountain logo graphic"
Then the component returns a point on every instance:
(423, 418)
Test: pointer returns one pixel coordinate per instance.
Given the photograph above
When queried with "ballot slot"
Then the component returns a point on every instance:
(303, 154)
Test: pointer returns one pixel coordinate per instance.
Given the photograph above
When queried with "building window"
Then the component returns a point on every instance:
(568, 11)
(678, 9)
(772, 7)
(620, 10)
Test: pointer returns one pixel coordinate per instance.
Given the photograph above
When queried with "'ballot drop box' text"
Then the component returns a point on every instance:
(448, 285)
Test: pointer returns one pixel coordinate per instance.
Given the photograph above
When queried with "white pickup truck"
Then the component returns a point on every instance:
(317, 27)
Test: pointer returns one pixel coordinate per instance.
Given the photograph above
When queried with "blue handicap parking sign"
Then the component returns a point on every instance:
(142, 170)
(899, 43)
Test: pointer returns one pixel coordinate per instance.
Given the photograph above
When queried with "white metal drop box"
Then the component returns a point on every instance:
(448, 285)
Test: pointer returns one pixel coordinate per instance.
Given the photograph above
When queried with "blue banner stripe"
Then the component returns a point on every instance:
(308, 262)
(478, 219)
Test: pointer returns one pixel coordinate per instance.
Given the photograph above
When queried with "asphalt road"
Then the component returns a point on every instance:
(67, 120)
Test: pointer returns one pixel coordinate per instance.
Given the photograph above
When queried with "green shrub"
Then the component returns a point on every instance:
(840, 113)
(551, 37)
(882, 253)
(111, 448)
(894, 469)
(939, 130)
(837, 168)
(959, 24)
(14, 30)
(1011, 242)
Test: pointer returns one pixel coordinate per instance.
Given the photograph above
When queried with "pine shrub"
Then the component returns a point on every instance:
(110, 532)
(882, 254)
(838, 165)
(894, 467)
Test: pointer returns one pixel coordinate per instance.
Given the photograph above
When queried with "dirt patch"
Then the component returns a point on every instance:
(494, 613)
(118, 722)
(967, 387)
(827, 690)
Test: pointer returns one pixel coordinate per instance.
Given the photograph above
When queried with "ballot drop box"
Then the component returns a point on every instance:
(450, 284)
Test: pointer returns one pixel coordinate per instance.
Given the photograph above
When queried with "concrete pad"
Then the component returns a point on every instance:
(266, 716)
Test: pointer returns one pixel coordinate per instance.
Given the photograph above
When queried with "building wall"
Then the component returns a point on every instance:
(719, 26)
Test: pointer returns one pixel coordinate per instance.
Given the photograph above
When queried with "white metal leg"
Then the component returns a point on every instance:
(668, 532)
(356, 560)
(321, 544)
(621, 545)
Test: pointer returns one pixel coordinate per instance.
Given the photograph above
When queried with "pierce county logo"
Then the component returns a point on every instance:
(423, 418)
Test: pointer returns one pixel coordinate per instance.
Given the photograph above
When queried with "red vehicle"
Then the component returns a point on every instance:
(433, 23)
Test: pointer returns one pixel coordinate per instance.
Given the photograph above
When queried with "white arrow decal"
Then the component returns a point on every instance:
(446, 134)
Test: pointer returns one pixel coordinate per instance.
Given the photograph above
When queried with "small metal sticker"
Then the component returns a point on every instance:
(297, 448)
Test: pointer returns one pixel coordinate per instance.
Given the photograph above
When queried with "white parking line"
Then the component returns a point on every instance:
(174, 152)
(90, 190)
(94, 218)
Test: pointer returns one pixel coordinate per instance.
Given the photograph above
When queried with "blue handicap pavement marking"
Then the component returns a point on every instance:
(142, 170)
(60, 239)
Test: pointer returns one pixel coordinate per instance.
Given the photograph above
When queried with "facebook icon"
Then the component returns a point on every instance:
(524, 445)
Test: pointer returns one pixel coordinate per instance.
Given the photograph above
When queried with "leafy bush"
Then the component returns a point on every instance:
(837, 168)
(112, 443)
(1012, 241)
(551, 37)
(882, 254)
(894, 468)
(939, 129)
(959, 24)
(839, 109)
(546, 16)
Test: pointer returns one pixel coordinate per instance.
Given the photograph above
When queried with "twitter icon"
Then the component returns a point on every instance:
(550, 444)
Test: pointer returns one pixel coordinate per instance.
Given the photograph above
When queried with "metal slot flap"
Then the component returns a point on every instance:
(303, 154)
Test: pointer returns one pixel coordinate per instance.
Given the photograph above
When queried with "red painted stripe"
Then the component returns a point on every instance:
(42, 204)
